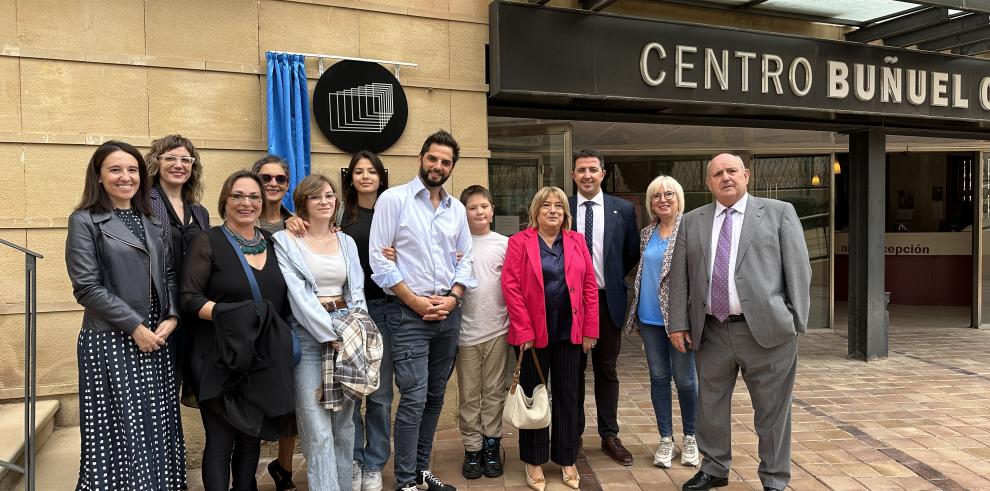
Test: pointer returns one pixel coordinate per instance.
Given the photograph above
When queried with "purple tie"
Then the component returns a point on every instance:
(720, 270)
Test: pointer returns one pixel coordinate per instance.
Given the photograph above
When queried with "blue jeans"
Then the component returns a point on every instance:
(665, 360)
(327, 436)
(371, 443)
(423, 359)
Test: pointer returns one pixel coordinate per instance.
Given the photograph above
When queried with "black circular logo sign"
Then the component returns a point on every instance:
(360, 106)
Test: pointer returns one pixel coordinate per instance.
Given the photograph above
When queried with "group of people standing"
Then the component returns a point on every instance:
(277, 324)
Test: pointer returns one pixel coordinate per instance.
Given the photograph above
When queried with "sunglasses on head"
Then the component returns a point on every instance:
(279, 179)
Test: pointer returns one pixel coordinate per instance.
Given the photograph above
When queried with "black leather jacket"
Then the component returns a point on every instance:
(112, 272)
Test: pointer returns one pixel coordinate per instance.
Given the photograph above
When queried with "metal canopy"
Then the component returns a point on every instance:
(956, 26)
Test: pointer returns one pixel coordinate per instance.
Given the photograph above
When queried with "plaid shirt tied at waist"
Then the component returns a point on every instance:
(353, 370)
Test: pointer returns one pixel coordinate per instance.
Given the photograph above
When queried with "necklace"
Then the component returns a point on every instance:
(254, 246)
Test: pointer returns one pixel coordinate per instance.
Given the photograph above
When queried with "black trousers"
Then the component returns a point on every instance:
(563, 363)
(228, 451)
(603, 359)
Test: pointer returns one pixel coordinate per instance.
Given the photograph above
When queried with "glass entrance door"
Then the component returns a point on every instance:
(524, 159)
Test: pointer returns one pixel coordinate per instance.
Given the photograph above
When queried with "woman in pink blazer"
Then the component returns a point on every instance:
(548, 282)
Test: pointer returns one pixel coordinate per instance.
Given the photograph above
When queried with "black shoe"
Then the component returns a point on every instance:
(492, 456)
(426, 480)
(703, 482)
(282, 477)
(472, 465)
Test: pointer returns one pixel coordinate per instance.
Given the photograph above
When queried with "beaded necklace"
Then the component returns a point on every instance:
(254, 246)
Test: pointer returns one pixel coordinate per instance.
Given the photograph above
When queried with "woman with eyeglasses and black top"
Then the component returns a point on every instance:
(241, 400)
(131, 431)
(175, 171)
(364, 182)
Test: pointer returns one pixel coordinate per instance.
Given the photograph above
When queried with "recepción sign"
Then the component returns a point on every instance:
(565, 55)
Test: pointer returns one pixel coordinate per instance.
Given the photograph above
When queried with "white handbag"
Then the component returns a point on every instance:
(527, 413)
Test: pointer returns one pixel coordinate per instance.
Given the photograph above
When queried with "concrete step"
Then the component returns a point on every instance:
(12, 428)
(58, 462)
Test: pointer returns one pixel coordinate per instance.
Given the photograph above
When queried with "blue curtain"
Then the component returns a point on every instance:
(288, 116)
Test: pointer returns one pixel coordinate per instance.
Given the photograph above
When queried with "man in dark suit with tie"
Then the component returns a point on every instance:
(740, 284)
(609, 227)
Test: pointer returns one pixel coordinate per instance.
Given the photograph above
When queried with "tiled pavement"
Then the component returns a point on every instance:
(919, 420)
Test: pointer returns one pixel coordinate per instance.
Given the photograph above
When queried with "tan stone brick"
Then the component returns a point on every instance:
(435, 5)
(217, 165)
(110, 26)
(83, 98)
(224, 30)
(56, 361)
(12, 181)
(469, 120)
(429, 111)
(10, 94)
(467, 52)
(410, 39)
(469, 171)
(401, 168)
(329, 164)
(328, 30)
(56, 174)
(12, 265)
(53, 281)
(472, 7)
(8, 23)
(205, 105)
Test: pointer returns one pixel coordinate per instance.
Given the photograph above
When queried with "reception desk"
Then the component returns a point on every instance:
(920, 268)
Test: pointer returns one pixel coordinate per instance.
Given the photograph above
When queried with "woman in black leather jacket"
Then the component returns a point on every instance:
(122, 276)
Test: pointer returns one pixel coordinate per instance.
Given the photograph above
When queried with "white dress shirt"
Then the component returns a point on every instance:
(426, 241)
(735, 307)
(598, 236)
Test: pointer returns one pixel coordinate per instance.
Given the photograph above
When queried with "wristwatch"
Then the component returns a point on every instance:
(457, 298)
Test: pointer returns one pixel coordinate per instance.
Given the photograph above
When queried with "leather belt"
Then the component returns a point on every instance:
(334, 305)
(731, 318)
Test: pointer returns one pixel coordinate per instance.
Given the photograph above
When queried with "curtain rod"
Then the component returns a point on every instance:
(322, 57)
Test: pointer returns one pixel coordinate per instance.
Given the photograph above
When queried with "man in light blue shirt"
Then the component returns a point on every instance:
(424, 287)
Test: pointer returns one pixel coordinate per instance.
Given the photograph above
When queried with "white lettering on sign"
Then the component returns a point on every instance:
(866, 82)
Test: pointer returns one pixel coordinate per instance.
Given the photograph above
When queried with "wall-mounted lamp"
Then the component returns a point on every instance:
(836, 168)
(816, 181)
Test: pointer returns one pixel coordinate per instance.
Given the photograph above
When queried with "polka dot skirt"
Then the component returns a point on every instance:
(130, 426)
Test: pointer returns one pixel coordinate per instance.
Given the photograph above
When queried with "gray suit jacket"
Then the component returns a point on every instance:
(773, 273)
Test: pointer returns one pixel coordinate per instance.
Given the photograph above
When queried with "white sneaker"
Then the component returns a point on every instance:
(665, 453)
(356, 476)
(371, 481)
(689, 454)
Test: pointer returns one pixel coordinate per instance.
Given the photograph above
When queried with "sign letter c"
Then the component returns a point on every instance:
(643, 59)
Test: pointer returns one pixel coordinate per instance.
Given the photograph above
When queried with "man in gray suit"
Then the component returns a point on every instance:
(739, 296)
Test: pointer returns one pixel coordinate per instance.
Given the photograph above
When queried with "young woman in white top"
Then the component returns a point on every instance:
(324, 278)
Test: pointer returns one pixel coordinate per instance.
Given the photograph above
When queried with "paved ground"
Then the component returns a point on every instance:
(919, 420)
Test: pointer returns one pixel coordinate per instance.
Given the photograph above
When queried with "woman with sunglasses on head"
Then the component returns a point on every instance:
(131, 432)
(175, 172)
(240, 366)
(326, 283)
(364, 182)
(274, 174)
(647, 314)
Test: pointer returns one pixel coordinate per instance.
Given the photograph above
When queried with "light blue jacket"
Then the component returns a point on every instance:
(301, 284)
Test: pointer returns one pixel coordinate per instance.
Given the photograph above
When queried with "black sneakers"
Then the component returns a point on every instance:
(472, 465)
(426, 480)
(491, 454)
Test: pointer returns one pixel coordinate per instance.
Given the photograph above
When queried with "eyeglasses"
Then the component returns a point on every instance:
(239, 197)
(316, 198)
(171, 159)
(667, 195)
(280, 179)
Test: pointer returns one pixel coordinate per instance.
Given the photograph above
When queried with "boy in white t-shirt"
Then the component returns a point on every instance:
(482, 349)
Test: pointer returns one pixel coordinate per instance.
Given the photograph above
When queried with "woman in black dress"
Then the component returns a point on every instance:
(129, 409)
(214, 280)
(175, 172)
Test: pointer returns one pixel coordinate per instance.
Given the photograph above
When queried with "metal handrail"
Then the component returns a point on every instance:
(30, 363)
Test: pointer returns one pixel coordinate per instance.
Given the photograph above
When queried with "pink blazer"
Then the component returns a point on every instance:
(522, 287)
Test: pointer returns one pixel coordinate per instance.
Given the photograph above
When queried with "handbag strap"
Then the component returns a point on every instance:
(255, 291)
(515, 374)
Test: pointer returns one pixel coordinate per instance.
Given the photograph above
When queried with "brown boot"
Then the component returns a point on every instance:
(613, 448)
